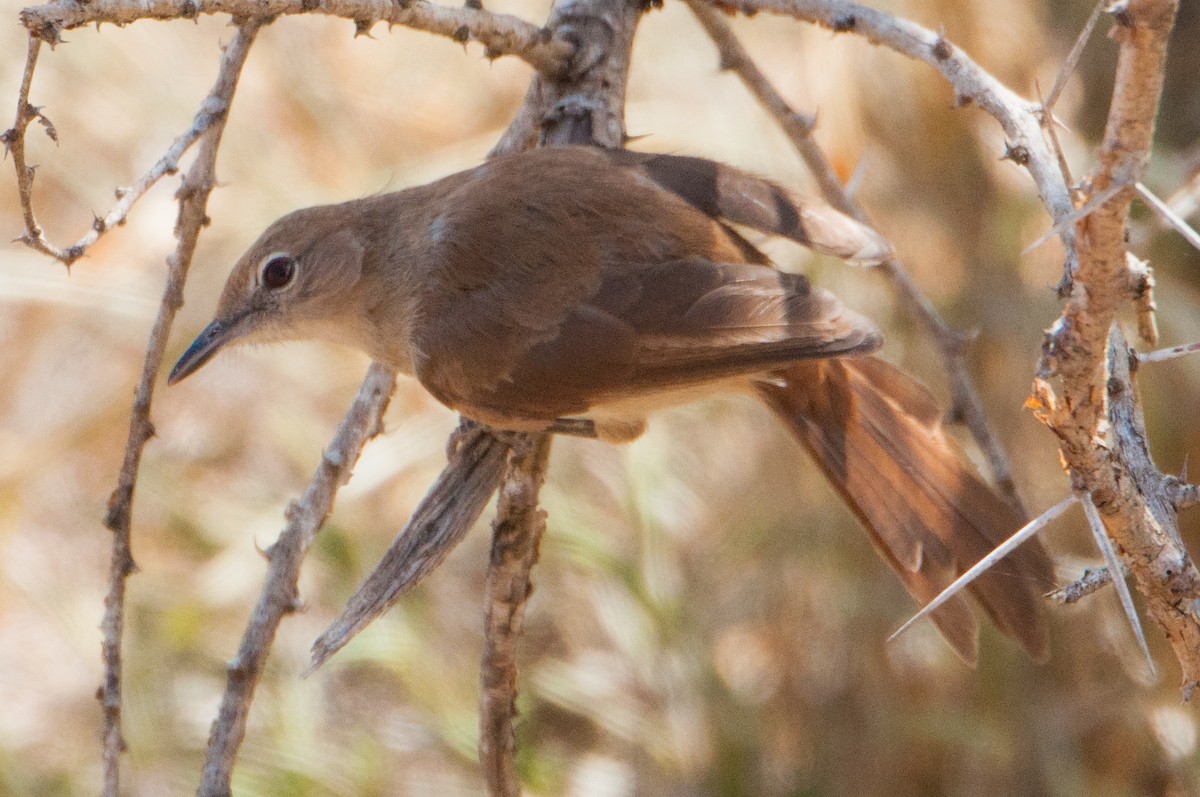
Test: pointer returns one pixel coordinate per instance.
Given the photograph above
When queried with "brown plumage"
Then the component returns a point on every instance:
(576, 283)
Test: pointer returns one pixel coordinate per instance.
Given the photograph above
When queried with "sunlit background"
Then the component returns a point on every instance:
(708, 618)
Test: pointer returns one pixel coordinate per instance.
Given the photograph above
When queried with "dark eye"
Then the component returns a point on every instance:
(278, 270)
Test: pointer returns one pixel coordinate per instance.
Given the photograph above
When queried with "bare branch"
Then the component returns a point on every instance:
(193, 201)
(1182, 495)
(445, 514)
(1019, 118)
(501, 34)
(280, 595)
(1098, 418)
(1141, 289)
(1092, 580)
(966, 403)
(14, 142)
(212, 110)
(516, 538)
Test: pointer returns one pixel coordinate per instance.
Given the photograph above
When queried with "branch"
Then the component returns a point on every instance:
(588, 106)
(212, 112)
(516, 538)
(1091, 580)
(966, 403)
(1098, 417)
(280, 595)
(1019, 118)
(501, 34)
(193, 201)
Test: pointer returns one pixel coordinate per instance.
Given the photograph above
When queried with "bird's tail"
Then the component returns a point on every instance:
(876, 434)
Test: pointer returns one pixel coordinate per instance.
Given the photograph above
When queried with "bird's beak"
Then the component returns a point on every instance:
(206, 344)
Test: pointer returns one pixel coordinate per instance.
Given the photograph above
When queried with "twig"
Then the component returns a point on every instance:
(1019, 118)
(1113, 565)
(1141, 289)
(1182, 495)
(501, 34)
(1161, 355)
(586, 106)
(967, 404)
(211, 111)
(445, 514)
(14, 142)
(279, 595)
(516, 538)
(1169, 216)
(986, 563)
(1091, 580)
(193, 200)
(798, 126)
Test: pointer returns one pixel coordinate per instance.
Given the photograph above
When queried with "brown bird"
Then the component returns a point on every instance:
(578, 289)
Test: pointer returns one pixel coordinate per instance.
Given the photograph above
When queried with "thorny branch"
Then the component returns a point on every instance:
(1097, 418)
(1019, 117)
(280, 594)
(1095, 411)
(193, 200)
(501, 34)
(212, 111)
(587, 40)
(966, 403)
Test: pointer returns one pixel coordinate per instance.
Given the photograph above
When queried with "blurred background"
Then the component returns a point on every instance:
(708, 618)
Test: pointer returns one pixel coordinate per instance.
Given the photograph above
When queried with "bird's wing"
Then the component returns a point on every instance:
(663, 327)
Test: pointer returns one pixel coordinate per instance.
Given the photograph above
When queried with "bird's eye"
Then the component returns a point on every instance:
(277, 271)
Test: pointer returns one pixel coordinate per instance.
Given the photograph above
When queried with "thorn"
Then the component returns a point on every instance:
(1017, 153)
(1114, 568)
(986, 563)
(844, 24)
(942, 49)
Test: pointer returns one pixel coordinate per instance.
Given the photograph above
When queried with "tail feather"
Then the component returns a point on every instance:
(875, 433)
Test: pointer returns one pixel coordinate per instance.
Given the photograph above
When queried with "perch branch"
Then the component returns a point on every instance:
(193, 201)
(280, 594)
(516, 538)
(966, 403)
(501, 34)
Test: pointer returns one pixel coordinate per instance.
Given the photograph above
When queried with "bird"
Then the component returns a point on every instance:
(578, 290)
